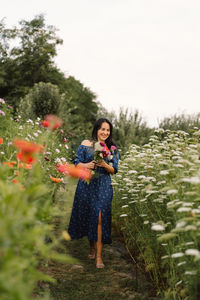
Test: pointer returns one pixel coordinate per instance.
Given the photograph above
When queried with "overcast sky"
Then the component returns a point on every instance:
(142, 54)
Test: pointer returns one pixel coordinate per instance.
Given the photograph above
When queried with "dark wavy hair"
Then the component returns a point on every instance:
(97, 126)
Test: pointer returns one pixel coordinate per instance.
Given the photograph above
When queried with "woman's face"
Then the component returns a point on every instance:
(103, 132)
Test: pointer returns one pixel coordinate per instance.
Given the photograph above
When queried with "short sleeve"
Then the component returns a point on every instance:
(115, 161)
(80, 155)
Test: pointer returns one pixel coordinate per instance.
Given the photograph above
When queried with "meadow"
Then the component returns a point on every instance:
(29, 183)
(156, 207)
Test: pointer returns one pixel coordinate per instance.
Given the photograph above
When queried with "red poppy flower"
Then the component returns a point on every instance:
(10, 163)
(28, 166)
(1, 141)
(75, 171)
(26, 157)
(52, 122)
(14, 181)
(54, 179)
(27, 150)
(28, 147)
(16, 173)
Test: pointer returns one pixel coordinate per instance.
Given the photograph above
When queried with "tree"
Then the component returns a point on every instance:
(181, 122)
(31, 59)
(81, 107)
(129, 128)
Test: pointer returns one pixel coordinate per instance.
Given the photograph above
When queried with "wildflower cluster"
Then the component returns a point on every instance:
(157, 188)
(29, 180)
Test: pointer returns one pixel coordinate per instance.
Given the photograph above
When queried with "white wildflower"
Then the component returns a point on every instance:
(132, 172)
(183, 209)
(134, 201)
(192, 272)
(181, 263)
(161, 182)
(29, 121)
(172, 192)
(57, 160)
(146, 222)
(192, 252)
(190, 227)
(66, 146)
(157, 227)
(165, 256)
(164, 172)
(189, 243)
(143, 200)
(188, 204)
(63, 159)
(180, 224)
(196, 211)
(57, 150)
(179, 282)
(124, 206)
(123, 215)
(2, 101)
(178, 166)
(178, 254)
(35, 134)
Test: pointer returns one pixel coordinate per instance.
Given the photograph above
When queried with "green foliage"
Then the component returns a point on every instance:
(28, 207)
(31, 59)
(78, 110)
(42, 99)
(128, 127)
(181, 122)
(157, 202)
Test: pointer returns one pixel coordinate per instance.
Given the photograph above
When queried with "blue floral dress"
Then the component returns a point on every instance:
(91, 198)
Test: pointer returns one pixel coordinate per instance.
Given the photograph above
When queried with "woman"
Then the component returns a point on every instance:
(91, 213)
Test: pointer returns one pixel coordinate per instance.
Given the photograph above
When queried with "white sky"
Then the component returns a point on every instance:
(142, 54)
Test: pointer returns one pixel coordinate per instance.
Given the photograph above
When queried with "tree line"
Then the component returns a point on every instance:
(32, 83)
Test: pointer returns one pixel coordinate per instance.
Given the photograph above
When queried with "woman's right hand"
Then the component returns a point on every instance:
(90, 165)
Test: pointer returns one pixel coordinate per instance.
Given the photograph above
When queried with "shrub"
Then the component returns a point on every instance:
(42, 99)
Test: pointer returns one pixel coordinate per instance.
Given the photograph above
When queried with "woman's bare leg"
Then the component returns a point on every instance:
(99, 244)
(92, 250)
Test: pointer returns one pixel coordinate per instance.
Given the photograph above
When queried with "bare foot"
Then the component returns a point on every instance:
(91, 255)
(99, 263)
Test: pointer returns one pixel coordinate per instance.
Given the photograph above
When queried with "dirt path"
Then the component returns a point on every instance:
(83, 281)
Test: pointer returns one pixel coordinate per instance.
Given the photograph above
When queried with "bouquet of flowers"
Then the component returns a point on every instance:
(101, 151)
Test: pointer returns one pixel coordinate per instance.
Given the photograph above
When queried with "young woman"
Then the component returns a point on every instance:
(91, 213)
